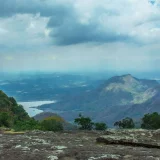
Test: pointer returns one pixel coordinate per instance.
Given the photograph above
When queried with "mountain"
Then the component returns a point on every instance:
(109, 101)
(151, 105)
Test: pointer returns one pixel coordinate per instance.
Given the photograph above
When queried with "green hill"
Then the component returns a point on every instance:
(13, 116)
(10, 111)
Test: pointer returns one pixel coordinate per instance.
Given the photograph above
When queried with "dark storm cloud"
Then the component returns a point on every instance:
(70, 31)
(66, 29)
(46, 9)
(40, 35)
(66, 25)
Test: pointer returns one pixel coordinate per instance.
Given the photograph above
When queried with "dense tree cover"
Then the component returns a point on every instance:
(151, 121)
(10, 111)
(127, 123)
(85, 123)
(5, 119)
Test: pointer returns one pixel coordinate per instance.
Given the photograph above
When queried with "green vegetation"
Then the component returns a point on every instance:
(10, 112)
(5, 119)
(100, 126)
(45, 125)
(14, 116)
(30, 124)
(85, 123)
(51, 125)
(126, 123)
(151, 121)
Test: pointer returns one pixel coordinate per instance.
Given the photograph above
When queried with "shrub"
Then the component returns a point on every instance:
(56, 118)
(85, 123)
(151, 121)
(100, 126)
(5, 119)
(125, 123)
(26, 125)
(51, 125)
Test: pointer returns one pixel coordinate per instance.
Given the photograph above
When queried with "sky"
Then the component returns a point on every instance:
(80, 35)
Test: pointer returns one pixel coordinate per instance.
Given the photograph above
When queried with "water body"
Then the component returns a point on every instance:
(33, 111)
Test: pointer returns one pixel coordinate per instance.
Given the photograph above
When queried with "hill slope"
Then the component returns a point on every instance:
(151, 105)
(110, 101)
(10, 111)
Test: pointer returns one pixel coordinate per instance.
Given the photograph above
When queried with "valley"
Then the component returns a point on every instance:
(101, 98)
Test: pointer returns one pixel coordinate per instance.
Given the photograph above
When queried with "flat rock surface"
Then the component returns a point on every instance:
(37, 145)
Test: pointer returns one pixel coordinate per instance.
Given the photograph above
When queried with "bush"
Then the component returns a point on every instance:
(26, 125)
(125, 123)
(20, 113)
(5, 119)
(151, 121)
(51, 125)
(85, 123)
(100, 126)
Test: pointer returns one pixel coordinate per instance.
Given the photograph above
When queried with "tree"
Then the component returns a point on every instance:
(24, 125)
(125, 123)
(20, 113)
(5, 119)
(151, 121)
(13, 101)
(85, 123)
(118, 124)
(100, 126)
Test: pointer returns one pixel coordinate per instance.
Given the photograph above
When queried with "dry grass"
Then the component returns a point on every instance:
(13, 132)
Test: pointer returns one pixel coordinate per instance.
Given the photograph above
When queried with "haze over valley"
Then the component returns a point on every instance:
(79, 79)
(102, 97)
(70, 51)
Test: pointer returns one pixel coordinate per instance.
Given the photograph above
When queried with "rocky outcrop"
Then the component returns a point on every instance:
(139, 138)
(78, 145)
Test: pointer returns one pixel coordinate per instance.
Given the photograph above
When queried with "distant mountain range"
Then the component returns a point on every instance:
(116, 98)
(53, 86)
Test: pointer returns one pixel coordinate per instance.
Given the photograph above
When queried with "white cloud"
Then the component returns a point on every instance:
(23, 30)
(102, 35)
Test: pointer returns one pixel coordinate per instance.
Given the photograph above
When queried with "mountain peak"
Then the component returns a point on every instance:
(127, 78)
(126, 75)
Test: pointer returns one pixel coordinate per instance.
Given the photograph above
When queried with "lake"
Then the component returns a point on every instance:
(33, 111)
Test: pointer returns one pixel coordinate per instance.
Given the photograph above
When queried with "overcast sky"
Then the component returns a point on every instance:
(79, 35)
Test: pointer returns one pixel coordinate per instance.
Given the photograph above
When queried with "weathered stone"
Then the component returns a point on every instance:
(53, 157)
(80, 145)
(139, 138)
